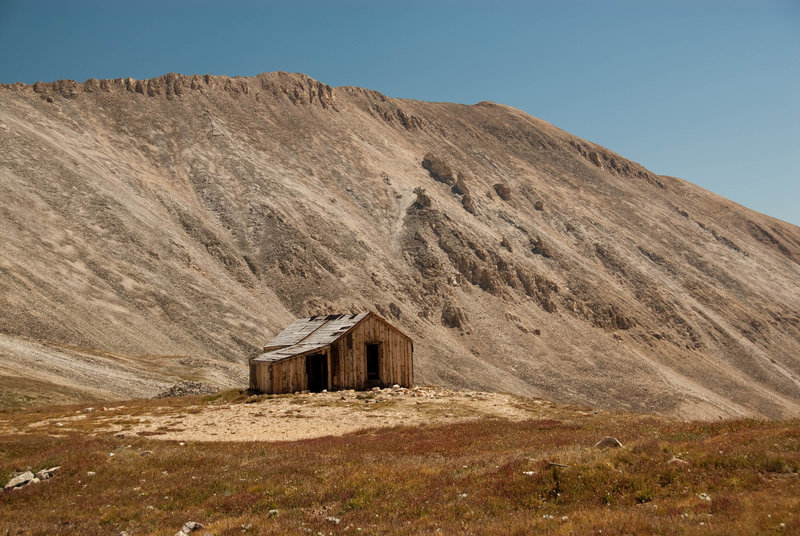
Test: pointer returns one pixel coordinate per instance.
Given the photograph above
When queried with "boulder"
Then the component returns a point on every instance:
(460, 187)
(469, 204)
(503, 191)
(21, 480)
(188, 528)
(438, 169)
(44, 474)
(422, 201)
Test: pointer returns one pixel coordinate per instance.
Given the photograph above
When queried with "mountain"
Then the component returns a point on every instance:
(164, 229)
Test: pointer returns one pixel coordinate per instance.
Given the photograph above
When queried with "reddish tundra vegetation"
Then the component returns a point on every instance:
(491, 475)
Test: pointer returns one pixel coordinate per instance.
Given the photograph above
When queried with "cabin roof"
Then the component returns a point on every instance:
(309, 334)
(289, 351)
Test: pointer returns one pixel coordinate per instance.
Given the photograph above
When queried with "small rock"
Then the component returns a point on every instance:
(146, 453)
(90, 473)
(334, 520)
(272, 513)
(704, 496)
(608, 442)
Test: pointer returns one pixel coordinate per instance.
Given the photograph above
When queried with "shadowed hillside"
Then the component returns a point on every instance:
(152, 230)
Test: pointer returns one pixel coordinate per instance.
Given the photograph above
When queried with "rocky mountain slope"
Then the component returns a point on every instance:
(152, 230)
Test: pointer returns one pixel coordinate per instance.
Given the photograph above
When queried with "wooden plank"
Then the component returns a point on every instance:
(359, 356)
(407, 357)
(328, 357)
(392, 360)
(409, 365)
(400, 359)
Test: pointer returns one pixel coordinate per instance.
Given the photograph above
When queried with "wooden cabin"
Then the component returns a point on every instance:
(358, 351)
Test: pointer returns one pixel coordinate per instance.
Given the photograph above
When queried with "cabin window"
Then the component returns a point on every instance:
(373, 363)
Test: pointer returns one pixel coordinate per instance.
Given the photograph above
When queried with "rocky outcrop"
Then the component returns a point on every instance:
(503, 191)
(453, 317)
(438, 169)
(538, 247)
(188, 387)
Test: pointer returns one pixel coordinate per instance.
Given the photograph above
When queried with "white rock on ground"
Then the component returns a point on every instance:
(188, 528)
(44, 474)
(608, 442)
(21, 480)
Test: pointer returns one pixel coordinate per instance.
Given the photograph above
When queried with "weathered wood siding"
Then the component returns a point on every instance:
(285, 376)
(347, 361)
(349, 355)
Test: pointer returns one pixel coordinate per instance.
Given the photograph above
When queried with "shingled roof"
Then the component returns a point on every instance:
(308, 335)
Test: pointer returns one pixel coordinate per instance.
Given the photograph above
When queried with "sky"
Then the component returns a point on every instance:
(705, 90)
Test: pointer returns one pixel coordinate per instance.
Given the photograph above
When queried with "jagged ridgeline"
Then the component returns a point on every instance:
(160, 229)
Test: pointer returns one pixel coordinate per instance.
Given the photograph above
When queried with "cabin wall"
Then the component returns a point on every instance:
(260, 377)
(289, 375)
(285, 376)
(349, 356)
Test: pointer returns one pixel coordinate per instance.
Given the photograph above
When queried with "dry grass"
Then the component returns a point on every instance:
(480, 477)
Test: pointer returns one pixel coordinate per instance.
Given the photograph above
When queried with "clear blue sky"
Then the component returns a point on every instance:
(705, 90)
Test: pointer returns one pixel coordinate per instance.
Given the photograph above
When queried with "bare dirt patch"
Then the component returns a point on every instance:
(303, 416)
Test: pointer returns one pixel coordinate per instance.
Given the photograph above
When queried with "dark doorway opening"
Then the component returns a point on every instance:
(317, 372)
(373, 364)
